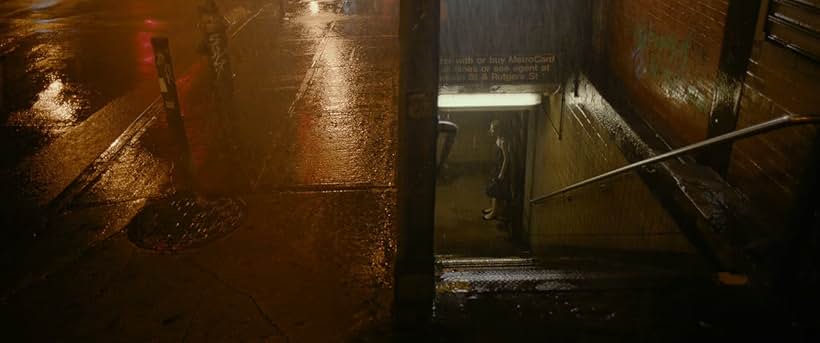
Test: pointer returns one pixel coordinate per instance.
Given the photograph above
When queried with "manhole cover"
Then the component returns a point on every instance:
(176, 224)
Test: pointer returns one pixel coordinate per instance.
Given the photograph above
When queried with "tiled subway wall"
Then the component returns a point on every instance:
(620, 214)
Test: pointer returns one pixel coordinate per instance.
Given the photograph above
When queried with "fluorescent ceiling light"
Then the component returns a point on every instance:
(488, 100)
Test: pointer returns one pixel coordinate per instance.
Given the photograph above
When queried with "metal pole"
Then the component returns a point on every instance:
(418, 92)
(170, 97)
(215, 45)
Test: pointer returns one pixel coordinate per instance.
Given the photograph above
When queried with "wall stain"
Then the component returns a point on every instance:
(665, 59)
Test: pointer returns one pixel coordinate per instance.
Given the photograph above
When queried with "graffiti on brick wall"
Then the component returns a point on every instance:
(665, 59)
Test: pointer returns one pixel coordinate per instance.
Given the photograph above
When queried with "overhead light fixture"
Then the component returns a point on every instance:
(479, 101)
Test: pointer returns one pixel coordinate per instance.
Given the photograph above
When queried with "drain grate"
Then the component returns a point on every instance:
(180, 223)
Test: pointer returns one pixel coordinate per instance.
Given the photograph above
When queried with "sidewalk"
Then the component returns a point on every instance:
(36, 214)
(312, 260)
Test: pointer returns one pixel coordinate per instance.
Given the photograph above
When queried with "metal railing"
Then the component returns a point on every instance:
(774, 124)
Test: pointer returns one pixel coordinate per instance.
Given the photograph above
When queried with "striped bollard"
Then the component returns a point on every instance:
(170, 100)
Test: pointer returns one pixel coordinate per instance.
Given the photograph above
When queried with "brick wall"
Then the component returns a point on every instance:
(664, 57)
(769, 168)
(665, 54)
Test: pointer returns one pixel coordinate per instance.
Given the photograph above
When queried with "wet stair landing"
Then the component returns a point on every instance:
(584, 298)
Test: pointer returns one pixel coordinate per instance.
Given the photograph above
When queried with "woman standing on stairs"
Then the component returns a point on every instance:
(499, 187)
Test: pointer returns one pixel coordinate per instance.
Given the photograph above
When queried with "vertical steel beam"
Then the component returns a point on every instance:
(738, 39)
(417, 131)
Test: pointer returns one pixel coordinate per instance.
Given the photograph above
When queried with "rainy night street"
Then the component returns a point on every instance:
(409, 170)
(76, 65)
(100, 156)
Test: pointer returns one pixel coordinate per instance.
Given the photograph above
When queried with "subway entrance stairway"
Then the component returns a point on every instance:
(329, 229)
(589, 296)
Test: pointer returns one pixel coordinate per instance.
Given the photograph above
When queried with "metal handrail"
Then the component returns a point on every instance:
(781, 122)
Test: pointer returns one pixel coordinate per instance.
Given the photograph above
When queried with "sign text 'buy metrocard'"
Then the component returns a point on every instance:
(497, 69)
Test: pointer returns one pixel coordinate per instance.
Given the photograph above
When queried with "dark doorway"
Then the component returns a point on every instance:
(466, 168)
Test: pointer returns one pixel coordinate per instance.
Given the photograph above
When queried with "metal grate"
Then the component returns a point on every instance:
(517, 274)
(505, 279)
(179, 223)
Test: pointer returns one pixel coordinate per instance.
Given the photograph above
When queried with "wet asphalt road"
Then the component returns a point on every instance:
(79, 72)
(76, 75)
(66, 59)
(313, 260)
(316, 106)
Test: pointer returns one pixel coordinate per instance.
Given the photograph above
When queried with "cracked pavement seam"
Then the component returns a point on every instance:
(239, 291)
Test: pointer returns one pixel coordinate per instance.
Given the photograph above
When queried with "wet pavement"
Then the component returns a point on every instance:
(76, 75)
(310, 256)
(65, 61)
(460, 229)
(594, 296)
(79, 86)
(314, 170)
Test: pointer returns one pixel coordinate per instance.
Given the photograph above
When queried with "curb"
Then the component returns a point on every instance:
(91, 174)
(132, 134)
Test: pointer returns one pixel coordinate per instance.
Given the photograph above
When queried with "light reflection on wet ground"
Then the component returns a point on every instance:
(320, 128)
(323, 120)
(66, 59)
(335, 245)
(76, 74)
(315, 106)
(316, 109)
